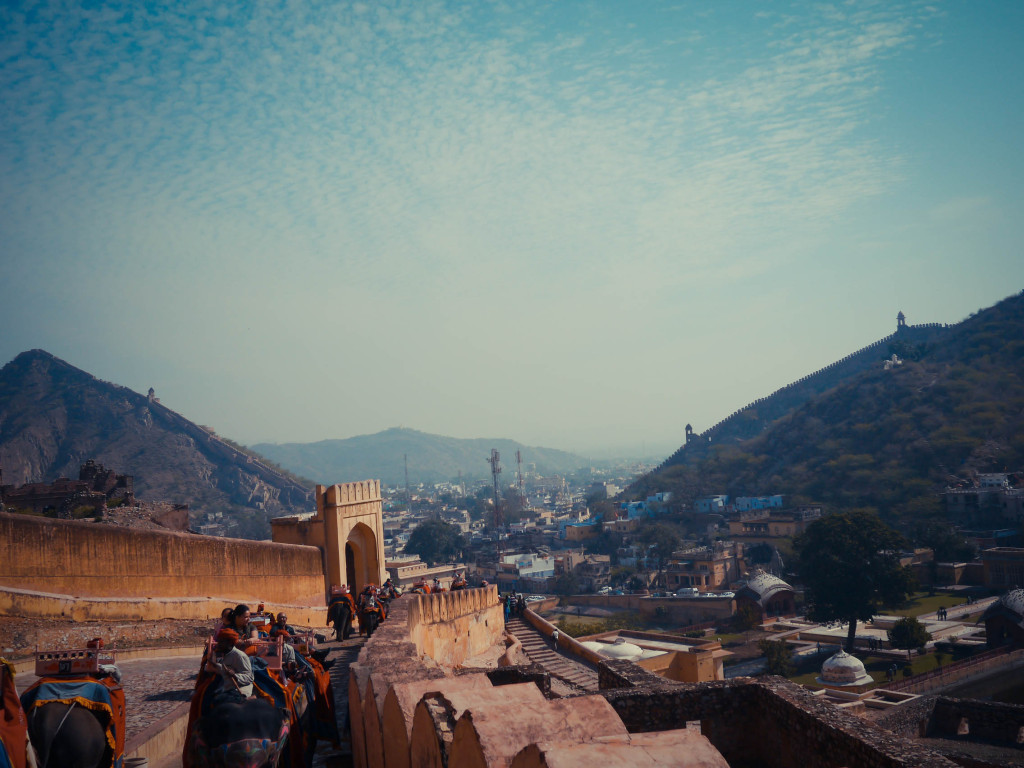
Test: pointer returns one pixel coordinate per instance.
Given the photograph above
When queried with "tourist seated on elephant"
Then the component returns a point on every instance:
(232, 664)
(243, 626)
(227, 619)
(281, 622)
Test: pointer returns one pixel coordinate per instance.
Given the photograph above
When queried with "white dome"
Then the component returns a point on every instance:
(620, 649)
(842, 669)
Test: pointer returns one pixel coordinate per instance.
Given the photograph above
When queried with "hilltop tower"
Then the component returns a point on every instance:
(901, 322)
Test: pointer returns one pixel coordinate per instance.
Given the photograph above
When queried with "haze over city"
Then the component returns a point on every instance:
(578, 225)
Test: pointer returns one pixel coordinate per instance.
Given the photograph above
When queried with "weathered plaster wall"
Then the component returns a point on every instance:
(70, 559)
(452, 627)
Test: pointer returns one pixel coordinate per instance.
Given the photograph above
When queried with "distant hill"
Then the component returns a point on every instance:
(887, 439)
(432, 458)
(53, 417)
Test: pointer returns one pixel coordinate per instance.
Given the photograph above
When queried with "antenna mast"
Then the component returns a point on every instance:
(519, 469)
(495, 471)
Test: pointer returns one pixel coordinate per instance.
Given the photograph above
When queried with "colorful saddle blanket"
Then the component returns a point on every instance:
(104, 697)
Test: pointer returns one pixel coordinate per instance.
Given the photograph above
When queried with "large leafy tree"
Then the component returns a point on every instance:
(778, 657)
(908, 633)
(849, 565)
(436, 541)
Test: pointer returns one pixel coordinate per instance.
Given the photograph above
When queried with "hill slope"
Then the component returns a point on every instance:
(54, 416)
(432, 458)
(888, 439)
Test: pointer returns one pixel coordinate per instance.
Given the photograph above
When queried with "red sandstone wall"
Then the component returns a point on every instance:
(90, 560)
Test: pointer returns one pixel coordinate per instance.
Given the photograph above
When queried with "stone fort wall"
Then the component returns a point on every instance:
(48, 567)
(451, 627)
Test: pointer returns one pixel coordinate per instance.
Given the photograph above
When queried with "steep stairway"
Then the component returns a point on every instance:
(564, 666)
(343, 655)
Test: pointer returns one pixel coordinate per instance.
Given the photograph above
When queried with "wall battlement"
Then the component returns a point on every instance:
(343, 494)
(451, 627)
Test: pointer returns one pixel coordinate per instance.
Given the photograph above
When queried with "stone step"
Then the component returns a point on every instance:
(539, 648)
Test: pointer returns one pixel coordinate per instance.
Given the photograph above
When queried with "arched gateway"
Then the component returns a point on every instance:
(348, 527)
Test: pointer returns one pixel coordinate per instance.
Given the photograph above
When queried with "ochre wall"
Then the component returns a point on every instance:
(451, 627)
(88, 560)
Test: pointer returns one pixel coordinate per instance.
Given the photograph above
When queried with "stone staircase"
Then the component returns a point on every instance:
(343, 655)
(570, 669)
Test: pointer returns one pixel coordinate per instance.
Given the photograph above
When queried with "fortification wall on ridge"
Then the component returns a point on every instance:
(764, 410)
(88, 560)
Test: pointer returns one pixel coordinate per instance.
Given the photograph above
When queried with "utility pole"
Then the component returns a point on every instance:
(408, 498)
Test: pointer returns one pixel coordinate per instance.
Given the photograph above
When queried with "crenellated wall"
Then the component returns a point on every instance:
(132, 568)
(451, 627)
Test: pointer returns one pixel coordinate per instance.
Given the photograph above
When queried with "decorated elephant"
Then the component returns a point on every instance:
(252, 733)
(340, 615)
(371, 615)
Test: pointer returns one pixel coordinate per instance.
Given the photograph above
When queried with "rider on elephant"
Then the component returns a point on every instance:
(281, 622)
(232, 664)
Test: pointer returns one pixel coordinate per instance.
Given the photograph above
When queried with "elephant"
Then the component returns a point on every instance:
(370, 617)
(251, 733)
(69, 736)
(340, 615)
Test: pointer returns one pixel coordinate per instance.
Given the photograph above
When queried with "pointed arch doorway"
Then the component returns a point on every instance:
(350, 567)
(362, 563)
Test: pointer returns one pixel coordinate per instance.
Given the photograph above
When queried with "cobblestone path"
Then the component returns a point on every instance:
(566, 667)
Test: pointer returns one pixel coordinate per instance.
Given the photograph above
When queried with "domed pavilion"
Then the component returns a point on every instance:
(767, 594)
(844, 671)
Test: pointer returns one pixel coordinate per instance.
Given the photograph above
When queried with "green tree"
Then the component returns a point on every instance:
(778, 656)
(566, 584)
(908, 633)
(746, 618)
(436, 541)
(662, 540)
(849, 565)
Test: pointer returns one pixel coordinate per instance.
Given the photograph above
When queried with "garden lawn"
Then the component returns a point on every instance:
(923, 603)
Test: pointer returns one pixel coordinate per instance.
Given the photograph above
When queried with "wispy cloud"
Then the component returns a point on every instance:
(435, 149)
(369, 122)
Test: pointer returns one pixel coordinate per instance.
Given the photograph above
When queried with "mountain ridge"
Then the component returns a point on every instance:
(888, 439)
(54, 416)
(432, 458)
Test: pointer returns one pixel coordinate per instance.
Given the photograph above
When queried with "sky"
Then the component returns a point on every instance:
(580, 225)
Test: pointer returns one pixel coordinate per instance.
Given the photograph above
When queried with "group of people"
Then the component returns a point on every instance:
(459, 582)
(515, 604)
(237, 633)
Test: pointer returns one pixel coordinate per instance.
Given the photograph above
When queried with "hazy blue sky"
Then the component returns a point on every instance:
(576, 224)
